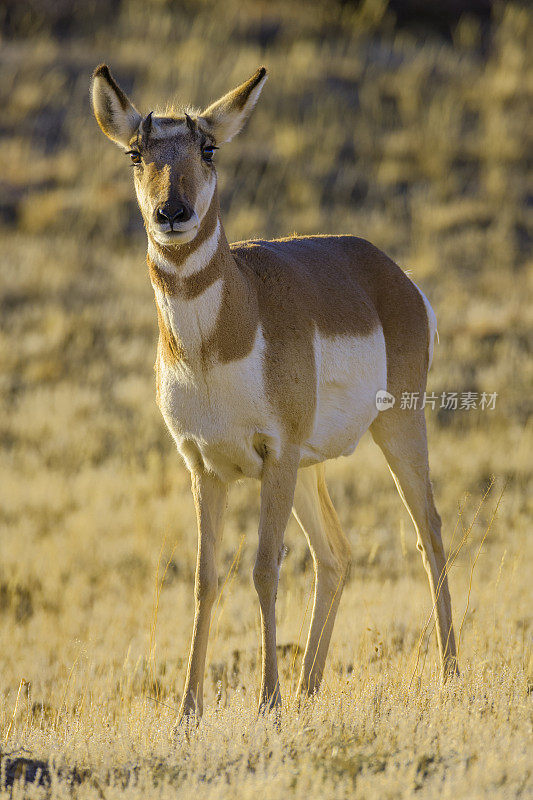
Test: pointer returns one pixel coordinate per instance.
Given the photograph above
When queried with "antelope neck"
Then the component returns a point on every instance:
(194, 285)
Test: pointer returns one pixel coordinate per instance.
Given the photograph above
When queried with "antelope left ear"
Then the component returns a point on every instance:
(226, 117)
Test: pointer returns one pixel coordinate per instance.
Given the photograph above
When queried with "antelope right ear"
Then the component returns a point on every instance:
(226, 117)
(116, 115)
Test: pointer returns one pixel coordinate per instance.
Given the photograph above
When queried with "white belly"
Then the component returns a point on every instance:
(350, 371)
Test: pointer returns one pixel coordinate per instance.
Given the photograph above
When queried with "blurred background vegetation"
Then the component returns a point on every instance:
(407, 123)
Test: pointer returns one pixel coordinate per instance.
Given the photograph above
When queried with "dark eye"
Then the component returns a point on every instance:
(135, 156)
(208, 151)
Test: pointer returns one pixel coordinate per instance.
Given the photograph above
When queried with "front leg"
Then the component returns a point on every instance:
(210, 500)
(277, 492)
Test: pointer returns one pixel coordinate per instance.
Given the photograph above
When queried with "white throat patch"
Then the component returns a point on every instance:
(195, 262)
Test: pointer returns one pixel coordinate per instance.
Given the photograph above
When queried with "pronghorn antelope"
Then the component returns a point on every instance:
(269, 359)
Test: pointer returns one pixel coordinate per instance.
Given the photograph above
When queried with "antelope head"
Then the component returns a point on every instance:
(172, 155)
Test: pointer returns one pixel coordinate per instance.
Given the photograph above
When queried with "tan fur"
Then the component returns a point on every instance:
(269, 358)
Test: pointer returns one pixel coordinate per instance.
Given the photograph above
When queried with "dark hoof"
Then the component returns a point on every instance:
(450, 670)
(188, 721)
(271, 706)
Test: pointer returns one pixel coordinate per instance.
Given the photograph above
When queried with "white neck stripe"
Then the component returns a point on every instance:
(191, 321)
(160, 261)
(203, 254)
(197, 260)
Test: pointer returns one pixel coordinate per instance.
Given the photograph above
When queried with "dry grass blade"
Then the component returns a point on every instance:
(473, 566)
(158, 586)
(450, 561)
(230, 577)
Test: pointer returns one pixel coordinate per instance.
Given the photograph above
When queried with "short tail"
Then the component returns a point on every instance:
(432, 325)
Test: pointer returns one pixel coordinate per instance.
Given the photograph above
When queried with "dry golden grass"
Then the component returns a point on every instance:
(419, 146)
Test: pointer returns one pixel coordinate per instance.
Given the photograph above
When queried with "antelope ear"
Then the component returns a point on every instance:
(116, 115)
(225, 118)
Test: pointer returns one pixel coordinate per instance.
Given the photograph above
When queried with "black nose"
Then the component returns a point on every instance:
(173, 212)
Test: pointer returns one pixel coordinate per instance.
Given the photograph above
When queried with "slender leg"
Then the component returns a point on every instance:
(277, 493)
(402, 437)
(331, 557)
(210, 501)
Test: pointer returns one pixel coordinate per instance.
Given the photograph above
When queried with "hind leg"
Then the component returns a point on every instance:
(329, 547)
(401, 435)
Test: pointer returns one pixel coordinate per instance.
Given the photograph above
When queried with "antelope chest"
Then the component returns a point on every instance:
(219, 416)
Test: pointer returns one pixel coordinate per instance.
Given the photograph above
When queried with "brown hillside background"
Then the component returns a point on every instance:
(405, 123)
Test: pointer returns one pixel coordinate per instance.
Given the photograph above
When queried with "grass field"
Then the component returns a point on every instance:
(416, 142)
